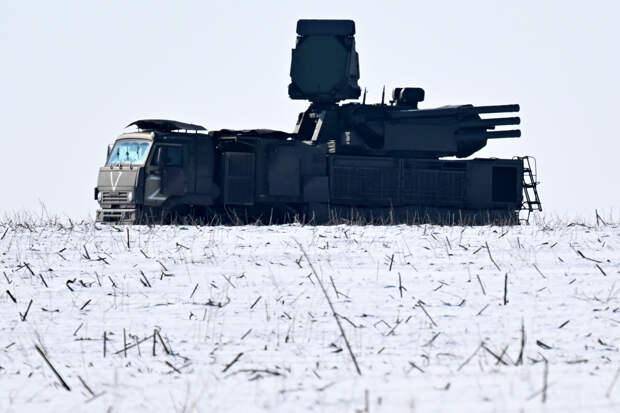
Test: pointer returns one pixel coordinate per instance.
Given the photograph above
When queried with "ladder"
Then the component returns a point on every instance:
(531, 201)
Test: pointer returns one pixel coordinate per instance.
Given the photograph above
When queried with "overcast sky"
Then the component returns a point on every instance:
(74, 74)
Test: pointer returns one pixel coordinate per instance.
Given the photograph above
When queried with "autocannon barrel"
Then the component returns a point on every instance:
(494, 108)
(450, 111)
(513, 133)
(502, 134)
(490, 123)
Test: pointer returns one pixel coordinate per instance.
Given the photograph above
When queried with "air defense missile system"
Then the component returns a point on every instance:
(344, 160)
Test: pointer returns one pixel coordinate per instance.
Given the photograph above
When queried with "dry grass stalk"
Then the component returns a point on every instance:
(58, 376)
(331, 306)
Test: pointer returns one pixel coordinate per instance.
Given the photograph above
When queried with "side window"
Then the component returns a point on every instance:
(168, 156)
(173, 156)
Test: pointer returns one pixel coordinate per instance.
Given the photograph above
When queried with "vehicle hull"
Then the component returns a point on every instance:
(262, 180)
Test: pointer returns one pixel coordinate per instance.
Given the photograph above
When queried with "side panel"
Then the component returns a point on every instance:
(378, 181)
(436, 183)
(283, 175)
(291, 172)
(205, 166)
(364, 180)
(314, 174)
(495, 183)
(238, 174)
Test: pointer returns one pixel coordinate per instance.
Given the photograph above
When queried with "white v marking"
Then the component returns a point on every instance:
(112, 183)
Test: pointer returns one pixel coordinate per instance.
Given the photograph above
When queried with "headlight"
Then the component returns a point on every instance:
(99, 196)
(129, 196)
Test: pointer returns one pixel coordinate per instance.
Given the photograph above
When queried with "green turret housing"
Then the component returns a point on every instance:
(381, 162)
(324, 70)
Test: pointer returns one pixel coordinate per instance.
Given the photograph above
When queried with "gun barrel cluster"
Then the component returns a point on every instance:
(493, 122)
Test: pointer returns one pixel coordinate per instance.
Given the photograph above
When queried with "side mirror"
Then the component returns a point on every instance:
(109, 150)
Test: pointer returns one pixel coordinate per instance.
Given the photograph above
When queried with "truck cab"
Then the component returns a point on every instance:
(165, 168)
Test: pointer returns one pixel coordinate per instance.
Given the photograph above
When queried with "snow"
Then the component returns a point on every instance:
(249, 329)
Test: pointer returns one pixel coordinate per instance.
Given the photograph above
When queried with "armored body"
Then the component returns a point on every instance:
(356, 161)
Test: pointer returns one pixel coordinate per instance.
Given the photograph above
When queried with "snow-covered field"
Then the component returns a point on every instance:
(233, 319)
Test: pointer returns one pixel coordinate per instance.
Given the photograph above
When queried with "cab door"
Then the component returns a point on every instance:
(165, 174)
(170, 161)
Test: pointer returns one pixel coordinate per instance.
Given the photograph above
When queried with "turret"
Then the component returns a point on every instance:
(325, 71)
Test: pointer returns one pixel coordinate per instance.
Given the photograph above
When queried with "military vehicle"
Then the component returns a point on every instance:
(382, 162)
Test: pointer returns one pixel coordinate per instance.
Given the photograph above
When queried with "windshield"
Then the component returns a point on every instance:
(129, 152)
